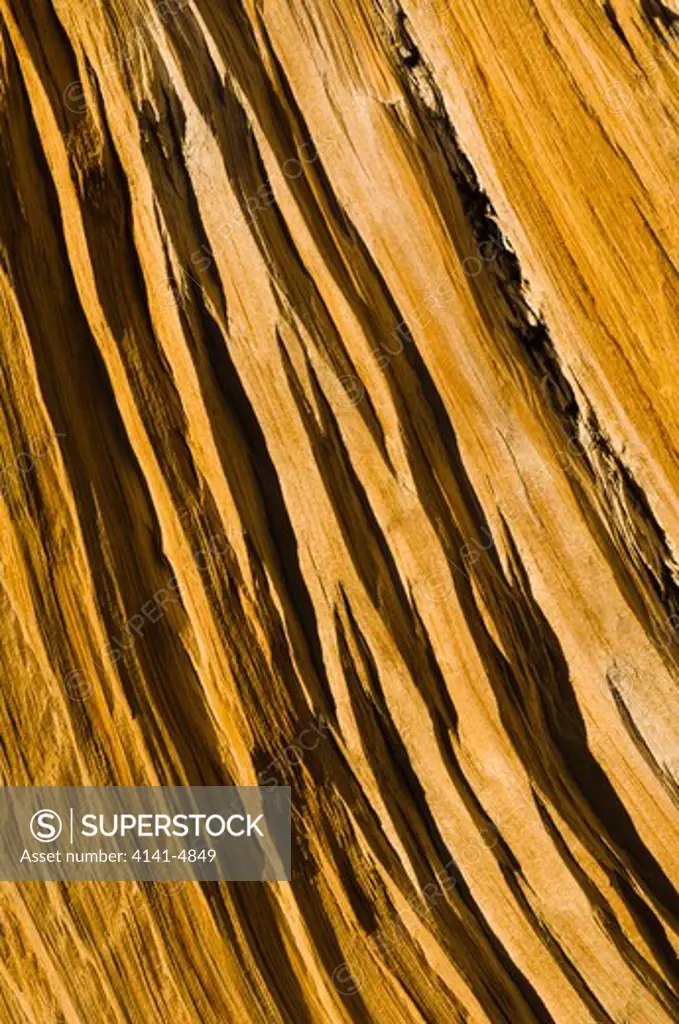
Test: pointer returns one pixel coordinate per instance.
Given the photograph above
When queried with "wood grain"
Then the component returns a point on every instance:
(338, 411)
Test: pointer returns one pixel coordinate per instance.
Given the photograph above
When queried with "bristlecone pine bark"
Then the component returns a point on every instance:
(346, 333)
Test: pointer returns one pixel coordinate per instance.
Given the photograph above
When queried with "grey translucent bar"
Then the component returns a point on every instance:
(144, 833)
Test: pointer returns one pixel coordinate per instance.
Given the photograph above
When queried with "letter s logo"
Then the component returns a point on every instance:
(46, 826)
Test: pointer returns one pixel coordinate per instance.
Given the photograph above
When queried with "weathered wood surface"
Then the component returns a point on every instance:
(339, 418)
